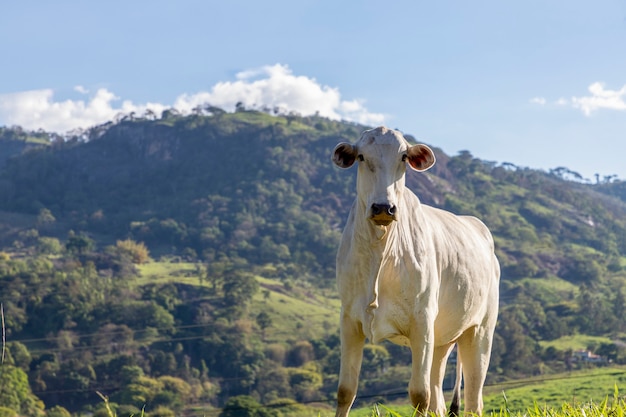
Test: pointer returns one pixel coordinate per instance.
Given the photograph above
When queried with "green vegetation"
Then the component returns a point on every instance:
(553, 391)
(615, 406)
(187, 264)
(593, 392)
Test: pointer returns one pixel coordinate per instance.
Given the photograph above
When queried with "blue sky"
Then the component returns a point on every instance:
(539, 84)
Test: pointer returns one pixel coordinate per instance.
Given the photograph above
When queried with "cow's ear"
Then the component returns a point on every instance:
(344, 155)
(420, 157)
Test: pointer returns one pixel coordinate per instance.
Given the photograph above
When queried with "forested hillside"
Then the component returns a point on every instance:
(187, 262)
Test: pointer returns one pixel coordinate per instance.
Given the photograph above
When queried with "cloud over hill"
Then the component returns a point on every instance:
(273, 87)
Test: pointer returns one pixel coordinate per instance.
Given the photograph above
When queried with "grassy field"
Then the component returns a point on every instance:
(297, 313)
(610, 406)
(553, 289)
(163, 272)
(575, 342)
(554, 395)
(575, 388)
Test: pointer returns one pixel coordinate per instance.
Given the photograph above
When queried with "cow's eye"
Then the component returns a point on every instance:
(404, 157)
(360, 157)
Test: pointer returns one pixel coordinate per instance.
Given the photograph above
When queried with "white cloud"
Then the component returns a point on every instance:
(37, 109)
(538, 100)
(277, 87)
(562, 102)
(266, 87)
(600, 98)
(81, 89)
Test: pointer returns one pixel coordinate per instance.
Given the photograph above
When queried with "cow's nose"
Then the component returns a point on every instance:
(383, 209)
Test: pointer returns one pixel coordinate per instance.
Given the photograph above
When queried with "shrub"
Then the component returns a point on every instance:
(138, 251)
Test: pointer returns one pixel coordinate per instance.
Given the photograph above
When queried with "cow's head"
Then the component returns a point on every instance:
(382, 155)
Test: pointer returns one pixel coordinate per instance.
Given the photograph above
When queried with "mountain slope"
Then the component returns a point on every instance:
(254, 205)
(263, 187)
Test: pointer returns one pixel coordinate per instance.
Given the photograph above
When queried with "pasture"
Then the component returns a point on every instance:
(594, 392)
(298, 310)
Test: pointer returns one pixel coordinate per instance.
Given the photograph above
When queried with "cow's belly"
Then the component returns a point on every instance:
(457, 314)
(380, 325)
(386, 322)
(391, 321)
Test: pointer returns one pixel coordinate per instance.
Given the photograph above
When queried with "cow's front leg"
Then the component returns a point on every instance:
(440, 357)
(422, 342)
(352, 342)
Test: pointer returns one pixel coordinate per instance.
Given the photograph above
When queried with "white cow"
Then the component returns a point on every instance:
(413, 274)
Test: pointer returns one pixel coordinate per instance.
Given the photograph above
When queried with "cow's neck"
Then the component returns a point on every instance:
(383, 244)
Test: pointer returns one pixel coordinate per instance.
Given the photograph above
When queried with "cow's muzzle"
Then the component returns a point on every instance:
(383, 214)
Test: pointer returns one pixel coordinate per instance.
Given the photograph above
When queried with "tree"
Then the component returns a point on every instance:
(596, 315)
(138, 251)
(45, 218)
(375, 359)
(581, 268)
(58, 411)
(79, 244)
(273, 383)
(246, 406)
(305, 382)
(301, 353)
(178, 391)
(113, 338)
(8, 412)
(239, 288)
(49, 245)
(215, 275)
(19, 355)
(619, 307)
(16, 394)
(608, 350)
(129, 374)
(74, 377)
(518, 352)
(264, 321)
(140, 391)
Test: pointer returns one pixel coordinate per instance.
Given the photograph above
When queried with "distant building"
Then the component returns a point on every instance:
(587, 356)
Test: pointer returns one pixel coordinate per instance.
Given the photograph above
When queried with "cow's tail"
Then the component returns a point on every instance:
(456, 395)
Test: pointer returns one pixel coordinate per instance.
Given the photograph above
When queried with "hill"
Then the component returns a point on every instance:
(190, 259)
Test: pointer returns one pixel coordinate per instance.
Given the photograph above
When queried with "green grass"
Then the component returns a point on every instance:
(553, 284)
(303, 313)
(163, 272)
(574, 342)
(391, 411)
(574, 388)
(611, 405)
(595, 398)
(296, 313)
(557, 395)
